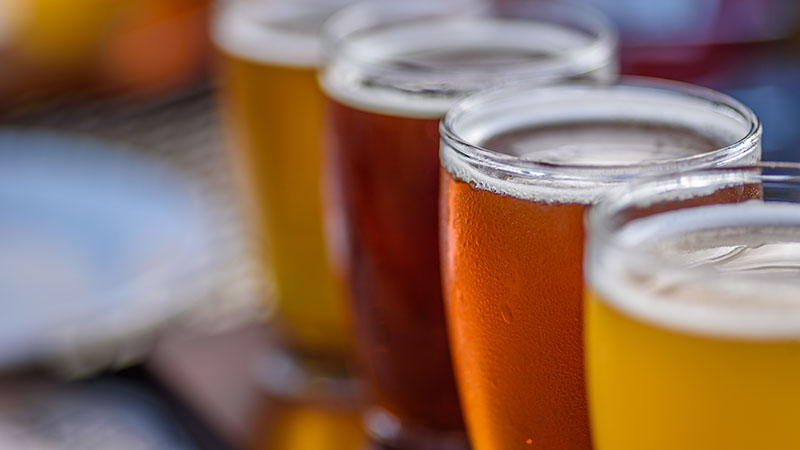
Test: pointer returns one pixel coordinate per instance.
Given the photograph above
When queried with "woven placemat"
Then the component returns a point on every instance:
(184, 132)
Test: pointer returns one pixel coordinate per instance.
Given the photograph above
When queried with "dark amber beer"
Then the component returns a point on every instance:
(692, 313)
(394, 69)
(521, 166)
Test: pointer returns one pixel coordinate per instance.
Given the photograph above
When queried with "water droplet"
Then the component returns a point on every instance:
(505, 312)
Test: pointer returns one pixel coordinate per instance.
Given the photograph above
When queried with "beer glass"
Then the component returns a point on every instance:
(521, 165)
(692, 313)
(393, 69)
(268, 55)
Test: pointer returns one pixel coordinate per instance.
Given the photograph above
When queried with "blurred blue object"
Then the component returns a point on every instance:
(770, 85)
(99, 246)
(691, 22)
(747, 48)
(778, 107)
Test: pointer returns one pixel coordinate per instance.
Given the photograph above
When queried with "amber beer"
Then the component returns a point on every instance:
(692, 322)
(521, 166)
(268, 55)
(389, 79)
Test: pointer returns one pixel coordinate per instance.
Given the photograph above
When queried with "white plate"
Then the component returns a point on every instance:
(97, 245)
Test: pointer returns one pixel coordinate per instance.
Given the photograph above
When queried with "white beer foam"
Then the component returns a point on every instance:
(351, 82)
(259, 31)
(581, 189)
(539, 189)
(349, 91)
(581, 104)
(744, 281)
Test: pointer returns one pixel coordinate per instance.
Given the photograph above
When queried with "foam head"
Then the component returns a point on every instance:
(279, 32)
(418, 60)
(569, 143)
(726, 270)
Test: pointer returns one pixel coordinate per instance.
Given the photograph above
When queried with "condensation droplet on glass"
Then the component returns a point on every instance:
(505, 312)
(458, 296)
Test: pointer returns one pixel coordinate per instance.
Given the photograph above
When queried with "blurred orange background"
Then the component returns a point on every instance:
(141, 47)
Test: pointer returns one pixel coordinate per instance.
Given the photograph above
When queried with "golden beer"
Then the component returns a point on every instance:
(268, 55)
(693, 320)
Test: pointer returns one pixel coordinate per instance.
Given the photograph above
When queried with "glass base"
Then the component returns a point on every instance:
(287, 376)
(388, 433)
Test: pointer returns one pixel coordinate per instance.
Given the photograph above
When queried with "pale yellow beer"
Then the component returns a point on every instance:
(268, 56)
(693, 326)
(678, 390)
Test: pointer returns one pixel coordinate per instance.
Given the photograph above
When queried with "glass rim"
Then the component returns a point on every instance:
(257, 30)
(285, 10)
(489, 159)
(611, 266)
(599, 218)
(335, 37)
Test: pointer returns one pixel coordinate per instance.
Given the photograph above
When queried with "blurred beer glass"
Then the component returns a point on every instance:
(393, 69)
(283, 425)
(521, 166)
(692, 313)
(268, 57)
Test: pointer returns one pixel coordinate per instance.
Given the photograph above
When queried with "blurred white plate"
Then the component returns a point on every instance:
(98, 247)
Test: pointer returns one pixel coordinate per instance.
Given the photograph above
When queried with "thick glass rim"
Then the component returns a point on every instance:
(492, 160)
(603, 215)
(608, 258)
(262, 30)
(374, 15)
